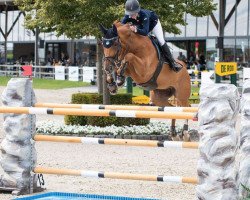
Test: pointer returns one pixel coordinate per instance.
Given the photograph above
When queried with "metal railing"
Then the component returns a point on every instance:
(48, 72)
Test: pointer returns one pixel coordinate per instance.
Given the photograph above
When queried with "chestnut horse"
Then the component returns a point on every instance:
(129, 54)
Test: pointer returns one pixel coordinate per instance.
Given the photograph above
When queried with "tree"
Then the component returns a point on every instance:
(78, 18)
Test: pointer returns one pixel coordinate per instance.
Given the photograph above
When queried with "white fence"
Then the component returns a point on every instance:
(71, 73)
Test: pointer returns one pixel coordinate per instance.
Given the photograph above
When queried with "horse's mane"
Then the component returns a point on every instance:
(124, 30)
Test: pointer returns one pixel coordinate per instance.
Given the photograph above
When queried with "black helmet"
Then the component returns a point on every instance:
(132, 7)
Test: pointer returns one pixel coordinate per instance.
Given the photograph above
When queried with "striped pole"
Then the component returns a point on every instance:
(113, 113)
(115, 175)
(110, 141)
(118, 107)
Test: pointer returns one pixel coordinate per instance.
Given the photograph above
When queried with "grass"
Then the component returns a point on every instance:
(55, 84)
(48, 83)
(138, 91)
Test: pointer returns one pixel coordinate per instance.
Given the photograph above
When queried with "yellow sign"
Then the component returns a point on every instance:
(225, 68)
(141, 99)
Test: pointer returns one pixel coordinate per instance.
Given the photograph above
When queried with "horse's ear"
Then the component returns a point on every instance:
(117, 23)
(103, 29)
(115, 30)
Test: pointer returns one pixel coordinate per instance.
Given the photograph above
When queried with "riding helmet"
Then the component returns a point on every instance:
(132, 7)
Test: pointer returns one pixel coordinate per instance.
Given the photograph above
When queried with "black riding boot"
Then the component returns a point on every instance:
(173, 64)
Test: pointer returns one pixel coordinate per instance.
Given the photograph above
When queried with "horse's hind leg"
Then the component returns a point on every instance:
(173, 132)
(185, 135)
(160, 98)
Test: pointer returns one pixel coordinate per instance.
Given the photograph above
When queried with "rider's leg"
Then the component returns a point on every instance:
(158, 32)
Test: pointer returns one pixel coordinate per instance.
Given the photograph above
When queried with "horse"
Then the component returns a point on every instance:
(128, 54)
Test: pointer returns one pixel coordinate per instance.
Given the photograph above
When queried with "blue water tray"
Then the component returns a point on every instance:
(74, 196)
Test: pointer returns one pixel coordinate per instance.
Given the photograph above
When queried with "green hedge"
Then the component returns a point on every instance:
(90, 98)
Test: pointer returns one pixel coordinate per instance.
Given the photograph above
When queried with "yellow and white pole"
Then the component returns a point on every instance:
(117, 107)
(111, 141)
(93, 112)
(115, 175)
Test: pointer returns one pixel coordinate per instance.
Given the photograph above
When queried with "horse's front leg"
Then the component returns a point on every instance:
(111, 84)
(129, 60)
(120, 73)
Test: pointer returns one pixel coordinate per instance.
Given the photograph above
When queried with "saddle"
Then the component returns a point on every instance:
(158, 48)
(152, 84)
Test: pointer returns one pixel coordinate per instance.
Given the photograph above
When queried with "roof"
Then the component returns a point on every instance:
(9, 4)
(4, 2)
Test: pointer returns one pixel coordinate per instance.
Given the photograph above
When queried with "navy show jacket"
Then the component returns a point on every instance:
(145, 21)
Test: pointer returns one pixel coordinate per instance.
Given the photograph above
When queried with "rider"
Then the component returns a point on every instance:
(145, 21)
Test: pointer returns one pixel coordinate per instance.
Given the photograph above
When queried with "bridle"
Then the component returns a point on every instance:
(115, 60)
(107, 43)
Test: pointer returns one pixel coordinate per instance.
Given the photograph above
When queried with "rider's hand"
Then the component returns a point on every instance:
(133, 28)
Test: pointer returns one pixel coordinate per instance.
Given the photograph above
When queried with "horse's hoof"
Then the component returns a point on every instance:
(112, 87)
(120, 81)
(113, 92)
(176, 138)
(186, 136)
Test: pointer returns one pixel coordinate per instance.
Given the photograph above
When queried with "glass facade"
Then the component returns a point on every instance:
(21, 44)
(236, 33)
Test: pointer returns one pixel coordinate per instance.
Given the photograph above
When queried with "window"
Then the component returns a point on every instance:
(85, 54)
(248, 53)
(248, 17)
(212, 30)
(191, 27)
(167, 35)
(229, 54)
(202, 26)
(211, 53)
(242, 16)
(242, 51)
(182, 29)
(230, 26)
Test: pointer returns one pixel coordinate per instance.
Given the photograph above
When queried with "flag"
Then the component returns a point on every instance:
(27, 70)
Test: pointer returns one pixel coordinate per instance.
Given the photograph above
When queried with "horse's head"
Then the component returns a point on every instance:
(111, 48)
(115, 46)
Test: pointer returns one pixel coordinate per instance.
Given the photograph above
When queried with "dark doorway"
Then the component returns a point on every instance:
(194, 48)
(56, 49)
(23, 53)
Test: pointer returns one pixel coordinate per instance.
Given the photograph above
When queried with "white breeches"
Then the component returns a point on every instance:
(158, 32)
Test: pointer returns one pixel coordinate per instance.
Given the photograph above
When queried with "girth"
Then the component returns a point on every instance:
(152, 83)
